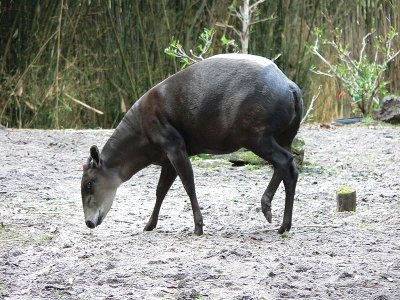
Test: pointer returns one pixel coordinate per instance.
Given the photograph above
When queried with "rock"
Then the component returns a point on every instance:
(390, 109)
(188, 294)
(271, 274)
(346, 275)
(16, 252)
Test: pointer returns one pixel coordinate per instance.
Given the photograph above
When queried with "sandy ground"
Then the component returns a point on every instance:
(46, 251)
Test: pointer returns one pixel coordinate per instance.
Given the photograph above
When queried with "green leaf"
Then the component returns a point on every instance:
(224, 40)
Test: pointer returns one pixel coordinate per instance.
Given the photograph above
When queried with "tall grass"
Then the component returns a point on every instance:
(64, 62)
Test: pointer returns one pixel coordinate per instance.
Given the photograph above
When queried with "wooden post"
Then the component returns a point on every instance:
(346, 198)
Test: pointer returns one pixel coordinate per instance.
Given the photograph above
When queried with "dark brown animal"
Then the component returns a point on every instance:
(216, 106)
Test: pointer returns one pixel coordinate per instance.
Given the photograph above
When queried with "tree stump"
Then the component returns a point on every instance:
(346, 199)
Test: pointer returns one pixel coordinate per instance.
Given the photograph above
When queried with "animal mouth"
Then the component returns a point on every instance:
(100, 218)
(92, 224)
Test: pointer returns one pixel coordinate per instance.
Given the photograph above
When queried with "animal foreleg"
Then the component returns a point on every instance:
(180, 160)
(167, 177)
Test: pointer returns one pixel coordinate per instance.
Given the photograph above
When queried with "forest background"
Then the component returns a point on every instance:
(83, 63)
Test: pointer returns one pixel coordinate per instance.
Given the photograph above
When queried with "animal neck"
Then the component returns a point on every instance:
(125, 150)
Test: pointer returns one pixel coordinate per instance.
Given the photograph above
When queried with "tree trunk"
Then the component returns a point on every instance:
(244, 37)
(278, 32)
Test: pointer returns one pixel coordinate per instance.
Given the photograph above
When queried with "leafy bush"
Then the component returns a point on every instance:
(362, 76)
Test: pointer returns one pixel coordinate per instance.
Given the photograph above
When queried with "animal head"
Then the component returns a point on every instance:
(98, 188)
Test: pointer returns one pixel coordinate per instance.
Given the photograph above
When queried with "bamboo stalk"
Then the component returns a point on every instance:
(10, 36)
(144, 43)
(91, 49)
(27, 69)
(121, 51)
(56, 121)
(169, 30)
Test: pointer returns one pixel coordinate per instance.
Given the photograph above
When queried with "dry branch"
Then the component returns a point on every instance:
(310, 108)
(84, 104)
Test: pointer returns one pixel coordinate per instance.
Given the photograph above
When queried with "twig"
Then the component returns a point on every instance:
(323, 73)
(364, 44)
(308, 226)
(228, 26)
(318, 226)
(124, 221)
(255, 4)
(262, 20)
(314, 51)
(392, 57)
(276, 57)
(310, 108)
(84, 104)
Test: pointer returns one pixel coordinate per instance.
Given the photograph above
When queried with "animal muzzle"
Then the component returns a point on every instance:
(92, 223)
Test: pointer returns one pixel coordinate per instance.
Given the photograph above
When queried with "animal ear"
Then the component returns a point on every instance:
(95, 155)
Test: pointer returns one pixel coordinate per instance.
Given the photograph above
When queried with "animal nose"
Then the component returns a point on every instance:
(90, 224)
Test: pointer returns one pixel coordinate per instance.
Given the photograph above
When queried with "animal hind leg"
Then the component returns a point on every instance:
(269, 193)
(167, 177)
(290, 187)
(285, 170)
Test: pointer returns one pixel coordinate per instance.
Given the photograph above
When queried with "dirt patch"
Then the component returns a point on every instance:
(47, 252)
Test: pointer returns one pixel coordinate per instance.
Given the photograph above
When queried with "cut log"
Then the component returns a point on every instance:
(346, 199)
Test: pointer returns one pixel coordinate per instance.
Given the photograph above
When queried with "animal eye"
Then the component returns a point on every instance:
(89, 185)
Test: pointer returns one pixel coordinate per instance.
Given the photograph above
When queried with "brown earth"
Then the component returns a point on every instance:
(46, 251)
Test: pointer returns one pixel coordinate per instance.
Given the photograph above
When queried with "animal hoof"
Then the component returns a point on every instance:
(149, 227)
(198, 230)
(281, 230)
(266, 208)
(284, 228)
(268, 216)
(267, 213)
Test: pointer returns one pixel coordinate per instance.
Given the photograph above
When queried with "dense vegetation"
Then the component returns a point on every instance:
(83, 63)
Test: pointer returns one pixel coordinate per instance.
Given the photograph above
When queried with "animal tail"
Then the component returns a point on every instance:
(298, 104)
